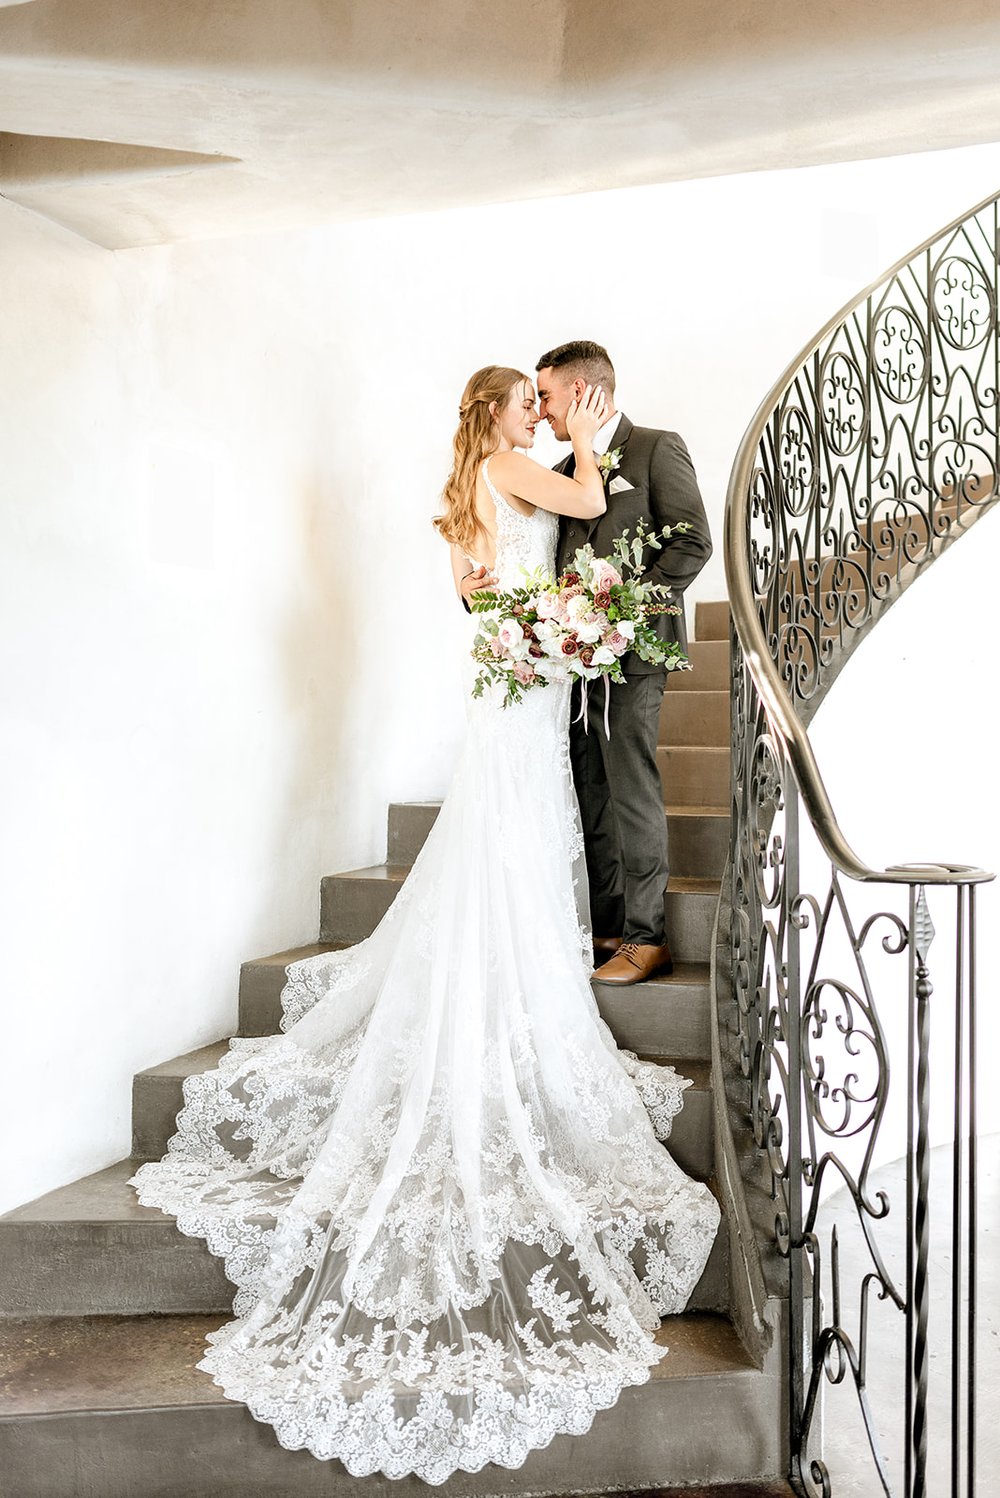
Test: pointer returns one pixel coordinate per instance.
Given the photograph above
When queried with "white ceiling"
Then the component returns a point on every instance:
(143, 121)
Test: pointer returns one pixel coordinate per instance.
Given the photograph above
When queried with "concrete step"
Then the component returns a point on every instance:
(157, 1096)
(89, 1249)
(695, 775)
(698, 835)
(709, 668)
(115, 1408)
(667, 1016)
(695, 718)
(711, 620)
(698, 841)
(353, 903)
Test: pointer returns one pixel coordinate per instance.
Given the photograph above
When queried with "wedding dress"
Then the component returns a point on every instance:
(440, 1191)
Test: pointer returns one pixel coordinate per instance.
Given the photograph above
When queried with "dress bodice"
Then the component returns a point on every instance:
(523, 541)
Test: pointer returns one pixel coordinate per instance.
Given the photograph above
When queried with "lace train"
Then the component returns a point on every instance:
(440, 1192)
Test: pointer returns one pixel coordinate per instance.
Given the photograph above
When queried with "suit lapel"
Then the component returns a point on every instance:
(623, 433)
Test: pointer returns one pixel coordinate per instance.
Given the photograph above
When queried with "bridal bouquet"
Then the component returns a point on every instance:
(577, 625)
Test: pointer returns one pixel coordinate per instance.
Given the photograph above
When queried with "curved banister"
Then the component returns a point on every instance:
(746, 619)
(878, 446)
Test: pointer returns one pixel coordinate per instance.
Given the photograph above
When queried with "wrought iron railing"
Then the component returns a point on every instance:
(877, 448)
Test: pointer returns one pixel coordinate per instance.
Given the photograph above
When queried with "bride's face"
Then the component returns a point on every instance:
(519, 417)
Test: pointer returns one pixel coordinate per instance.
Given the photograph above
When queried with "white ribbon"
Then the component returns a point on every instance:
(582, 715)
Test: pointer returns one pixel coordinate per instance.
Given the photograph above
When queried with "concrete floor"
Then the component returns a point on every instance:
(851, 1468)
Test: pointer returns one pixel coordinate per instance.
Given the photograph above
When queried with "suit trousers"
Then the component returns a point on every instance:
(621, 806)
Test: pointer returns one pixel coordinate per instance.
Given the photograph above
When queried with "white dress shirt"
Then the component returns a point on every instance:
(604, 437)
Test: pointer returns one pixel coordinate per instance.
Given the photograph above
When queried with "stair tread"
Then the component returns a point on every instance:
(684, 974)
(295, 954)
(669, 808)
(673, 810)
(104, 1196)
(397, 872)
(66, 1363)
(715, 751)
(202, 1058)
(193, 1062)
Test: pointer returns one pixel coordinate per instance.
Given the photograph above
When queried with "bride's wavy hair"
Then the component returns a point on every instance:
(476, 437)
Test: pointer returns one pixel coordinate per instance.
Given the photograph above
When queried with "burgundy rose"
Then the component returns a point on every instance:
(529, 633)
(569, 646)
(569, 578)
(517, 610)
(602, 600)
(535, 651)
(587, 654)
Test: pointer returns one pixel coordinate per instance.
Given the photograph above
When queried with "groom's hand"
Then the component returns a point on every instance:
(478, 581)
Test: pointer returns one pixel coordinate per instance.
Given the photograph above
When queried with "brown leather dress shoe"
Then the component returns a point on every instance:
(634, 962)
(605, 947)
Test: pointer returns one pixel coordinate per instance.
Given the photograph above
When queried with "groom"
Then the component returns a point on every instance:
(650, 478)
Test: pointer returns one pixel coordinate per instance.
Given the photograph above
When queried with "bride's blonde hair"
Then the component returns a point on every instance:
(477, 436)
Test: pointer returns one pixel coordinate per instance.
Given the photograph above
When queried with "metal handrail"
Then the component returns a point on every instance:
(877, 447)
(746, 622)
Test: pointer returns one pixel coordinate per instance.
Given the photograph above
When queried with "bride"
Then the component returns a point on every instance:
(440, 1192)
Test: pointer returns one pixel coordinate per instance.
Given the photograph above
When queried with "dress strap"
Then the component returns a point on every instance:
(491, 486)
(503, 504)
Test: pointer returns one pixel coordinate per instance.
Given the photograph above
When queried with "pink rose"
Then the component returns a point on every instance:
(496, 648)
(523, 673)
(605, 576)
(616, 642)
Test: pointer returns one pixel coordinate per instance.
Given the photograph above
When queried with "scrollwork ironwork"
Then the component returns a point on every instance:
(880, 447)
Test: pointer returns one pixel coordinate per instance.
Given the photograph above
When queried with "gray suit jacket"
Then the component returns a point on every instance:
(664, 491)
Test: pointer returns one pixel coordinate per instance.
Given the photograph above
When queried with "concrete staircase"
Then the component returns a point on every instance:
(104, 1304)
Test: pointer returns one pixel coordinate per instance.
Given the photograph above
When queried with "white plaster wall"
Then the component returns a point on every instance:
(219, 463)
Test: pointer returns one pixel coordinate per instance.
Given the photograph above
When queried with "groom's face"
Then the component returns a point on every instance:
(556, 393)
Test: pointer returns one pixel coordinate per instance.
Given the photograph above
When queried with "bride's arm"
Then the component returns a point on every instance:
(582, 495)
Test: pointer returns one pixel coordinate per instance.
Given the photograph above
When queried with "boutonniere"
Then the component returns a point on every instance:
(608, 462)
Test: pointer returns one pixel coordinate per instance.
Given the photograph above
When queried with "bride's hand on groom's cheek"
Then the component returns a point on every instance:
(586, 415)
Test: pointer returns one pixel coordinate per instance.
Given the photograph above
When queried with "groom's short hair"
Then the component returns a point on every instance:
(581, 360)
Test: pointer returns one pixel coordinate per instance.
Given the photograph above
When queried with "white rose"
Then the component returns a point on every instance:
(626, 627)
(604, 657)
(511, 637)
(588, 634)
(545, 630)
(509, 631)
